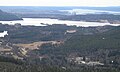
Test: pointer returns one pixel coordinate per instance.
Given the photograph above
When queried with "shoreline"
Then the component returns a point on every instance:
(49, 21)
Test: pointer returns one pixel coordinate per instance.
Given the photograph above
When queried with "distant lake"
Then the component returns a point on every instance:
(40, 21)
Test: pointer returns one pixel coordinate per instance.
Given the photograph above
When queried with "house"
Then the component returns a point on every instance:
(92, 63)
(70, 31)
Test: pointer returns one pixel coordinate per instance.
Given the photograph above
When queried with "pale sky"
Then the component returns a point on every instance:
(59, 2)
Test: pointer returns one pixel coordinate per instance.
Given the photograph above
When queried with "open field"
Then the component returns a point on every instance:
(35, 45)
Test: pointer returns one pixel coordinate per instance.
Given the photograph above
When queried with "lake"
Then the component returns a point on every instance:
(39, 21)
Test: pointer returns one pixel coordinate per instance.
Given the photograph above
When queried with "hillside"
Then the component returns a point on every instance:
(103, 18)
(8, 17)
(102, 46)
(85, 50)
(109, 39)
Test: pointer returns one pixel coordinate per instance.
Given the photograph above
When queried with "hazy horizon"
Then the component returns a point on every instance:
(89, 3)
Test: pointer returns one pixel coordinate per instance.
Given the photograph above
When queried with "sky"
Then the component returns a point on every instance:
(96, 3)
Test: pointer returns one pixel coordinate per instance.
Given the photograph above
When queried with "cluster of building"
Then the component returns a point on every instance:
(84, 61)
(5, 50)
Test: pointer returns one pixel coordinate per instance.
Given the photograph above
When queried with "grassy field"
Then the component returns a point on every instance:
(35, 45)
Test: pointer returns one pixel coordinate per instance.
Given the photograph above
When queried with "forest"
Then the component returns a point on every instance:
(88, 49)
(4, 16)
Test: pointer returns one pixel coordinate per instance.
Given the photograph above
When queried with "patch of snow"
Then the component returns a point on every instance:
(3, 33)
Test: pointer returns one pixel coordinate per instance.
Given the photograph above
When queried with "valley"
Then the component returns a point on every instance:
(46, 39)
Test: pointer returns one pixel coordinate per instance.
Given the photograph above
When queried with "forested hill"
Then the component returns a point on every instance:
(95, 45)
(82, 42)
(106, 40)
(8, 17)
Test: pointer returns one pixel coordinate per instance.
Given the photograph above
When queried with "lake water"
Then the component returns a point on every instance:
(38, 21)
